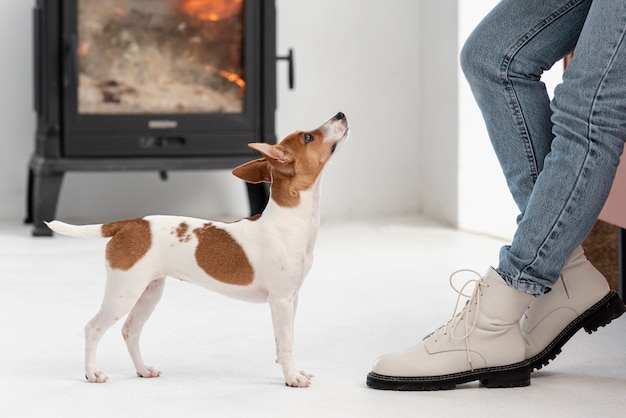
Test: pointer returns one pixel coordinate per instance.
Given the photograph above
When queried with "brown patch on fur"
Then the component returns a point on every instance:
(182, 232)
(307, 166)
(221, 257)
(254, 217)
(130, 241)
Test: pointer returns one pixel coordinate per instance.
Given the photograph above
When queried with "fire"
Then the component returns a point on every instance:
(233, 78)
(230, 76)
(213, 10)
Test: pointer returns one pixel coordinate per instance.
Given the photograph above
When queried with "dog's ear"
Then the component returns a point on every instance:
(279, 159)
(257, 171)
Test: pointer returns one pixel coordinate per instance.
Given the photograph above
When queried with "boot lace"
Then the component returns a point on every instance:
(453, 325)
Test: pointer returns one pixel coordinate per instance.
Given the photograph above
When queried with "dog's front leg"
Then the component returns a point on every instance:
(283, 312)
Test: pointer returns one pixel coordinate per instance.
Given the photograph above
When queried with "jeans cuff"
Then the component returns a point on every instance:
(524, 285)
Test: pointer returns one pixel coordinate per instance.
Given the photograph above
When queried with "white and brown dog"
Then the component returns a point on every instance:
(260, 259)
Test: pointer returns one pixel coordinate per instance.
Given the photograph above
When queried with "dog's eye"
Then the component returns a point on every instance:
(308, 138)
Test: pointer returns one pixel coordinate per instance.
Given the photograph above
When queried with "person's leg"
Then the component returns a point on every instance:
(503, 60)
(522, 137)
(484, 342)
(589, 124)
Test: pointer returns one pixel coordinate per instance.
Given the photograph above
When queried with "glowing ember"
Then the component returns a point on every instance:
(233, 78)
(213, 10)
(83, 49)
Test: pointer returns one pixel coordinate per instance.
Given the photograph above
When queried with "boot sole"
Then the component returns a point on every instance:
(599, 315)
(514, 375)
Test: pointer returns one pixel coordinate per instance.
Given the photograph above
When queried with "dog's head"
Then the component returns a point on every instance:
(299, 158)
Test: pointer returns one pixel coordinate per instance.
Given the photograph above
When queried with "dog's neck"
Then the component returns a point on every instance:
(303, 218)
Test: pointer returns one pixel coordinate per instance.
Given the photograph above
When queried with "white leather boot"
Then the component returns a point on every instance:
(484, 342)
(581, 298)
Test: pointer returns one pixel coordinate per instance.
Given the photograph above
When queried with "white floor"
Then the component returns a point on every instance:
(376, 287)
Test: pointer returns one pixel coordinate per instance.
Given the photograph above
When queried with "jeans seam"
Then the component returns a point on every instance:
(568, 203)
(508, 85)
(601, 83)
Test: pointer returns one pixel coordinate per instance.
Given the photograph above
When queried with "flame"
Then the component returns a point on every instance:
(230, 76)
(212, 10)
(233, 78)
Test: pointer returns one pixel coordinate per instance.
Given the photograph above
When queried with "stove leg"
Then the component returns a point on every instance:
(29, 198)
(258, 195)
(43, 195)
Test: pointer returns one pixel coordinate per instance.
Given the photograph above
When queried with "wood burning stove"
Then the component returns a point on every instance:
(149, 85)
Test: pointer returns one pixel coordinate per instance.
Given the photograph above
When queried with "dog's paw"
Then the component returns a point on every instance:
(300, 379)
(96, 376)
(148, 372)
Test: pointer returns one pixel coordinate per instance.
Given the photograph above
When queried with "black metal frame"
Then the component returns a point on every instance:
(66, 141)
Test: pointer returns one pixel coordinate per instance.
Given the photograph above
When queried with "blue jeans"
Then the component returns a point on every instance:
(559, 157)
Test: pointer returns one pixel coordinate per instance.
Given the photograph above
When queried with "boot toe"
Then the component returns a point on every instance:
(417, 361)
(398, 364)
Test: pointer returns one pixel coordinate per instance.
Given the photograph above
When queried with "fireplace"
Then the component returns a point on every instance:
(149, 85)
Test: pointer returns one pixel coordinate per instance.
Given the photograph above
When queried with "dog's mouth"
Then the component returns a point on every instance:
(336, 130)
(343, 137)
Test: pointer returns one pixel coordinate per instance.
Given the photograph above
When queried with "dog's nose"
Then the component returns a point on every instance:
(340, 116)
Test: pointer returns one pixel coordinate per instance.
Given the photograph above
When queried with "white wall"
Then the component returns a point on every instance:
(438, 154)
(359, 58)
(460, 179)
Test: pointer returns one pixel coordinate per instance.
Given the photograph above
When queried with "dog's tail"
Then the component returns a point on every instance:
(79, 231)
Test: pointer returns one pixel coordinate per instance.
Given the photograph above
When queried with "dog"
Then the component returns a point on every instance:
(264, 258)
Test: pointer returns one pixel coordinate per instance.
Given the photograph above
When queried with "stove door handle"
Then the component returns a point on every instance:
(290, 67)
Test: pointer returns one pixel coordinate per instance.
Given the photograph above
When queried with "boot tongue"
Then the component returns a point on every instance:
(505, 292)
(492, 277)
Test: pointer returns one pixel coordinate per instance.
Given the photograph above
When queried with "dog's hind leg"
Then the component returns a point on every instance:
(122, 292)
(131, 331)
